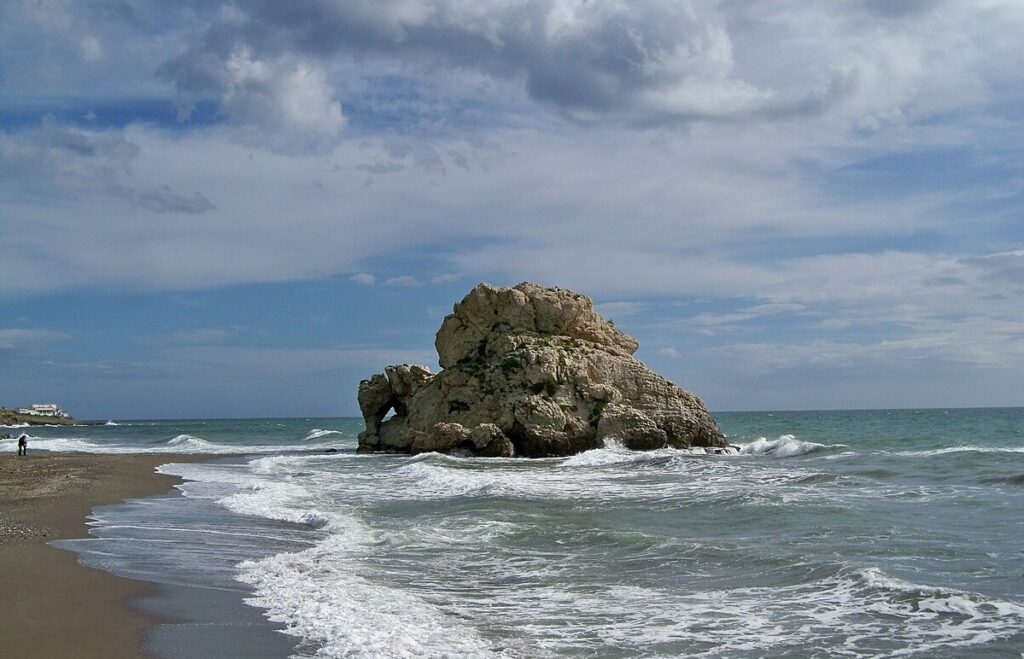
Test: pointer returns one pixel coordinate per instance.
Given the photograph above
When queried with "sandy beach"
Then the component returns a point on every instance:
(49, 604)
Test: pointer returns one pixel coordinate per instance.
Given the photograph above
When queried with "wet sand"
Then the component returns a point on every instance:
(50, 606)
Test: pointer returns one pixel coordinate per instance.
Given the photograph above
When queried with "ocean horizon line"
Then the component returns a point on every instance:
(103, 418)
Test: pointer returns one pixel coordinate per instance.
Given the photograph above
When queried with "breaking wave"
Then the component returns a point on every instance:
(785, 446)
(614, 452)
(317, 433)
(190, 443)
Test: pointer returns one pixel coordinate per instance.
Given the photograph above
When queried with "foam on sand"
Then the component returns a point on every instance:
(319, 596)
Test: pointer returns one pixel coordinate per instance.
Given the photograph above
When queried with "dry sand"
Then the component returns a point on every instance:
(50, 606)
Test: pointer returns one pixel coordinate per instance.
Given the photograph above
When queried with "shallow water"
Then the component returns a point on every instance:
(869, 533)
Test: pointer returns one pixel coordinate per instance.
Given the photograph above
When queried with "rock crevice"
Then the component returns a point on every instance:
(529, 371)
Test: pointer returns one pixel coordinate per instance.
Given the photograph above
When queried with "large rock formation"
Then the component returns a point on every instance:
(529, 371)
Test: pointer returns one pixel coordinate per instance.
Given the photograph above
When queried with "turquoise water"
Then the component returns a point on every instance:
(857, 533)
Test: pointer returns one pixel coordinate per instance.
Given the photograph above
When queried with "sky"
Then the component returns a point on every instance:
(233, 209)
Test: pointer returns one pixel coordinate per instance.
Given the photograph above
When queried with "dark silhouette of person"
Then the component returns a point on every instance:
(23, 444)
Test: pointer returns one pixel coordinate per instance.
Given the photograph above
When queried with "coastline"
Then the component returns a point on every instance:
(52, 606)
(13, 419)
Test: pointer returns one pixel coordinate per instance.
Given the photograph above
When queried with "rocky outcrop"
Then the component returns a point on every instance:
(529, 371)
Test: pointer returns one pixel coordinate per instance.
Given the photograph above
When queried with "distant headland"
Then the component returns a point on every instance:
(38, 414)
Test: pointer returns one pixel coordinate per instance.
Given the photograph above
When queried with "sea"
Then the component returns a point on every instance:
(869, 533)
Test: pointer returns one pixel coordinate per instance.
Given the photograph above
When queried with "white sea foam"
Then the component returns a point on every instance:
(960, 449)
(785, 446)
(246, 490)
(111, 423)
(649, 476)
(282, 501)
(61, 444)
(850, 613)
(190, 443)
(614, 452)
(319, 596)
(319, 593)
(447, 586)
(16, 425)
(184, 443)
(210, 480)
(317, 433)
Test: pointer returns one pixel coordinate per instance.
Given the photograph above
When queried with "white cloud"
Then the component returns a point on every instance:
(606, 213)
(978, 342)
(700, 160)
(403, 281)
(670, 352)
(712, 323)
(285, 102)
(653, 62)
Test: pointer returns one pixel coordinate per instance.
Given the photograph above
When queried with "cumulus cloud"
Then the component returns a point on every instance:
(637, 61)
(286, 100)
(653, 62)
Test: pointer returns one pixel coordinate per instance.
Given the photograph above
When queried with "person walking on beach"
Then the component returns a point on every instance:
(23, 444)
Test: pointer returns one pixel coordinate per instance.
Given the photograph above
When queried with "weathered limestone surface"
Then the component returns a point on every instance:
(529, 371)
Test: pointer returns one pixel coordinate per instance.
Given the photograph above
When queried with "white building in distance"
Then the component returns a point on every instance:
(43, 409)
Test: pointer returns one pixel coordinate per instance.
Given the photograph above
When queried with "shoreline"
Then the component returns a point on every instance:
(51, 605)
